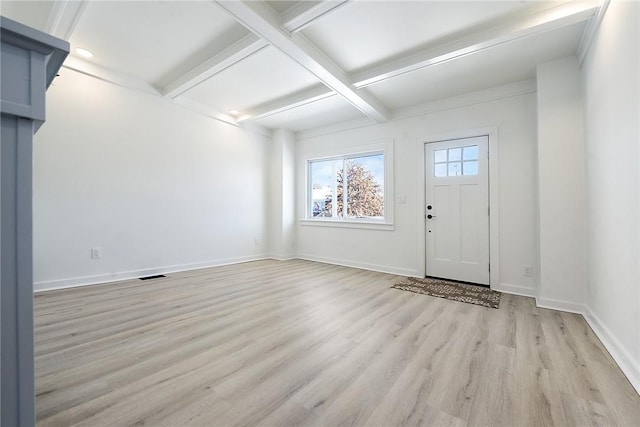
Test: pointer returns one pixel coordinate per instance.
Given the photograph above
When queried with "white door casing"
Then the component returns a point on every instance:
(457, 190)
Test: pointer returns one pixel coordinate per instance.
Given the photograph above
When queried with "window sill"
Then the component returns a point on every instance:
(370, 225)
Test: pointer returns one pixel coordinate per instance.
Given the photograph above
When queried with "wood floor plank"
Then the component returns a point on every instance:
(279, 343)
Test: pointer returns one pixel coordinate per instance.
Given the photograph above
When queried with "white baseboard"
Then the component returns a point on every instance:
(128, 275)
(282, 257)
(626, 363)
(362, 265)
(554, 304)
(514, 289)
(630, 367)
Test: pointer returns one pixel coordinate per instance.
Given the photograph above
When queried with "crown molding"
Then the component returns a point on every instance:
(593, 26)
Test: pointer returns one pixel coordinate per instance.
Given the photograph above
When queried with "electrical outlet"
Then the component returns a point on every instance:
(96, 252)
(258, 241)
(527, 270)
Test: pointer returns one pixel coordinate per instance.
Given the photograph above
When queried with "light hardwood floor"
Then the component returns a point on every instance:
(280, 343)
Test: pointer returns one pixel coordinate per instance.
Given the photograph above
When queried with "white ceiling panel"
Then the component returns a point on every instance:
(154, 40)
(363, 33)
(507, 63)
(32, 13)
(320, 113)
(265, 75)
(281, 6)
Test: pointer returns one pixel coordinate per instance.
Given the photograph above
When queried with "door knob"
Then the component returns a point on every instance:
(431, 216)
(429, 207)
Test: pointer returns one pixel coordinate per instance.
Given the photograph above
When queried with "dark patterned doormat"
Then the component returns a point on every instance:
(455, 291)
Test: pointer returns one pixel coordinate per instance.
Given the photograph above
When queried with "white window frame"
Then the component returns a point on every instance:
(386, 223)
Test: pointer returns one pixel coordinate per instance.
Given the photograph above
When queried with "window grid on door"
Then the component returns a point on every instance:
(456, 161)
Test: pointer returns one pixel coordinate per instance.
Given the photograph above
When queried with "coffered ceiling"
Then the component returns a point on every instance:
(304, 64)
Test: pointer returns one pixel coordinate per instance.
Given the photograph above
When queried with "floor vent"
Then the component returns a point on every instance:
(157, 276)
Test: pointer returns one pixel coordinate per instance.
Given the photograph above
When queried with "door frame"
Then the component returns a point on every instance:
(494, 196)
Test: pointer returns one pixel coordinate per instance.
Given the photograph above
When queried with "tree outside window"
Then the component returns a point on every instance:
(362, 187)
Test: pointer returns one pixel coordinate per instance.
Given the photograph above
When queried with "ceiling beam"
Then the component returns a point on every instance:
(264, 22)
(306, 12)
(546, 21)
(64, 16)
(298, 99)
(238, 51)
(535, 24)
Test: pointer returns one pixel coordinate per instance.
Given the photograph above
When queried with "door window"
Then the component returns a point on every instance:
(456, 161)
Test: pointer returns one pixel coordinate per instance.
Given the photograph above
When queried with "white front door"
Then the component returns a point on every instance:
(457, 209)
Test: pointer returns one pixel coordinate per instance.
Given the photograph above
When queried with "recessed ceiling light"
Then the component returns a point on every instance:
(84, 52)
(234, 112)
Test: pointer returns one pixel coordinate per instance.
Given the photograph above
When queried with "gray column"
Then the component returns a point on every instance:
(29, 62)
(16, 293)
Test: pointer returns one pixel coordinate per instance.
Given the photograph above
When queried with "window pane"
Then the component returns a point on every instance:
(455, 168)
(365, 187)
(440, 156)
(322, 175)
(470, 168)
(455, 154)
(470, 153)
(440, 169)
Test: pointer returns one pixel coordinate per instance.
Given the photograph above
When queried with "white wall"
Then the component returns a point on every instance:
(611, 81)
(561, 185)
(398, 251)
(280, 196)
(157, 187)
